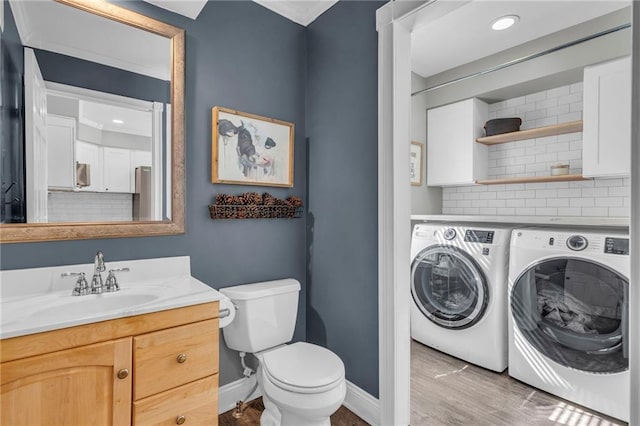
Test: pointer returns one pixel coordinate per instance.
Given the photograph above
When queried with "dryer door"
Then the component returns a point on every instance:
(575, 312)
(449, 287)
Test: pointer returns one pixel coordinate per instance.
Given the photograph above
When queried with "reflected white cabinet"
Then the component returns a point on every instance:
(453, 156)
(606, 143)
(116, 170)
(61, 134)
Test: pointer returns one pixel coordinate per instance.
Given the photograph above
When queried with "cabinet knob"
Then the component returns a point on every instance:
(180, 420)
(181, 358)
(122, 374)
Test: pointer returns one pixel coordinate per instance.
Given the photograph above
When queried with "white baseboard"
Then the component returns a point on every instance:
(235, 391)
(363, 404)
(357, 400)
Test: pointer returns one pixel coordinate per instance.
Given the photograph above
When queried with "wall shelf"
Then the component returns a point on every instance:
(540, 132)
(531, 179)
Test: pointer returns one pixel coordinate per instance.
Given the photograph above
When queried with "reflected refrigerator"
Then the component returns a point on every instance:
(142, 202)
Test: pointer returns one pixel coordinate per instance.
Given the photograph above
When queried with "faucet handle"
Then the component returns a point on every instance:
(112, 282)
(82, 287)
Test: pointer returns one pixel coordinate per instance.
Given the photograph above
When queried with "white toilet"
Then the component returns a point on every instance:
(302, 384)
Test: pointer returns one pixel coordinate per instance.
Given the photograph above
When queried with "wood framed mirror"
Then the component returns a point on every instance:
(168, 154)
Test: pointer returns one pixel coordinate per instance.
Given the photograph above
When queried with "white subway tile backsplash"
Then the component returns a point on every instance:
(596, 197)
(546, 211)
(595, 211)
(582, 202)
(619, 212)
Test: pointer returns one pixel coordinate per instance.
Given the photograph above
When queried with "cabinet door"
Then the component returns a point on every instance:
(606, 145)
(89, 153)
(78, 386)
(453, 156)
(116, 170)
(60, 152)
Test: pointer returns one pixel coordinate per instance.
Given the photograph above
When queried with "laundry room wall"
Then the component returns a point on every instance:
(597, 197)
(424, 199)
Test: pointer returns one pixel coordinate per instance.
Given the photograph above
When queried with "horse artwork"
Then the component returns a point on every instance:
(251, 150)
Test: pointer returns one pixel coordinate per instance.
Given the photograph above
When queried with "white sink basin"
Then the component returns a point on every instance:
(90, 304)
(36, 300)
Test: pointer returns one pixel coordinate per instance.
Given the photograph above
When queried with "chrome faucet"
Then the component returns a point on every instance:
(98, 266)
(97, 285)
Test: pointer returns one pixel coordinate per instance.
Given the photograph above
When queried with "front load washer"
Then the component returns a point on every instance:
(459, 290)
(568, 315)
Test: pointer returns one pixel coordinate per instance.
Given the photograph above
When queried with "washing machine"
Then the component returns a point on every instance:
(459, 276)
(568, 315)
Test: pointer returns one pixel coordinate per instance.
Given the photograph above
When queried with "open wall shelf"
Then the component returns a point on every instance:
(540, 132)
(531, 179)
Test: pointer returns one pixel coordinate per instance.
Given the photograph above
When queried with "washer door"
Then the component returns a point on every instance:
(575, 312)
(449, 287)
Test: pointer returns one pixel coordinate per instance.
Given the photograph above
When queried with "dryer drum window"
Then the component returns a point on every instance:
(449, 287)
(575, 312)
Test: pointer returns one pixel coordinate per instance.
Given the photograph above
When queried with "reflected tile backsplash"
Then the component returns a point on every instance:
(89, 207)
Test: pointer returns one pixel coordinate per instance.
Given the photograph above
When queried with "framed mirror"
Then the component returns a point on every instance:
(101, 153)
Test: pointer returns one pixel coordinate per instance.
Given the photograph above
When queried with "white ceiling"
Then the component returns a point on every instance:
(58, 28)
(303, 12)
(466, 30)
(101, 116)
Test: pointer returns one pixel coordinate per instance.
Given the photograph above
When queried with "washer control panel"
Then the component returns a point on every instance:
(476, 236)
(577, 242)
(616, 245)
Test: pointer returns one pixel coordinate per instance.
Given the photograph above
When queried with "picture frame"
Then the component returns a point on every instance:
(249, 149)
(416, 161)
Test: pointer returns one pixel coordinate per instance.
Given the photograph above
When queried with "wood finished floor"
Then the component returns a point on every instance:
(251, 417)
(450, 392)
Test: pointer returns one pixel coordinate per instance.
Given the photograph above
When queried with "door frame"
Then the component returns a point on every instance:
(394, 22)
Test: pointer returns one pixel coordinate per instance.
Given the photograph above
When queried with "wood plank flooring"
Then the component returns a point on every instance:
(450, 392)
(251, 417)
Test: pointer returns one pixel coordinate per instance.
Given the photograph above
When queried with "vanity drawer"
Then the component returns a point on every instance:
(192, 404)
(168, 358)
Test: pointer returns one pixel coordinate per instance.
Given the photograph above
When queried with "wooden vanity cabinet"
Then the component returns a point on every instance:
(154, 369)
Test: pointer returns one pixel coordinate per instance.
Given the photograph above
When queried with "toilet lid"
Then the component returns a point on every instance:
(303, 367)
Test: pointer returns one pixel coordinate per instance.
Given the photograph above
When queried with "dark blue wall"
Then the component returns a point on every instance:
(342, 132)
(242, 56)
(12, 194)
(91, 75)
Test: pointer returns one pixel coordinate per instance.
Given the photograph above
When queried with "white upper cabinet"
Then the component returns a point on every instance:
(607, 119)
(453, 156)
(116, 170)
(61, 134)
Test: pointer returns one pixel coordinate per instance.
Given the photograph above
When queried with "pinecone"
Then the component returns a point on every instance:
(252, 198)
(268, 199)
(294, 201)
(237, 200)
(220, 199)
(228, 199)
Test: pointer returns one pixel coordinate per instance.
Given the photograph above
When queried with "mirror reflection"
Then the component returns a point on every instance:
(96, 120)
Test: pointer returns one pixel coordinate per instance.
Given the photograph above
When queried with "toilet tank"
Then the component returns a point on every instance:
(265, 315)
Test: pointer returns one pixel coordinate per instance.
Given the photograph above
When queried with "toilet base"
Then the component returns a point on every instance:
(271, 414)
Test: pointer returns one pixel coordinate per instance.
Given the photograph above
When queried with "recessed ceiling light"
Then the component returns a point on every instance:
(115, 120)
(504, 22)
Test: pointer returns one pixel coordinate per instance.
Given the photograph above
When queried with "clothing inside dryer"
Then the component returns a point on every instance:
(575, 312)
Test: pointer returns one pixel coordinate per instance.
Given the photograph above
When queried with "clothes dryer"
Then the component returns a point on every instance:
(568, 315)
(459, 290)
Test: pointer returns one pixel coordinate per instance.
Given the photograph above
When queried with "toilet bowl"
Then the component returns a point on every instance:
(302, 384)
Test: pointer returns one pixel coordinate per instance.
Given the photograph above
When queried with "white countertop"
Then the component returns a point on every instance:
(533, 220)
(38, 299)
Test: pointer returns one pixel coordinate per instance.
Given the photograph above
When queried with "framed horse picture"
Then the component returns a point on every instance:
(248, 149)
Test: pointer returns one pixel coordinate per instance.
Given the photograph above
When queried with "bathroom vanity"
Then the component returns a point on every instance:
(152, 360)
